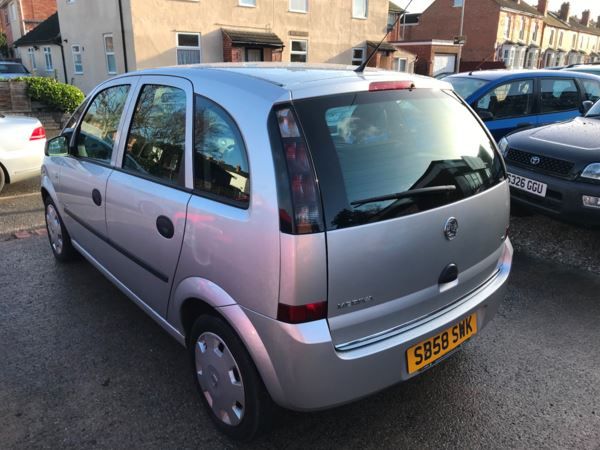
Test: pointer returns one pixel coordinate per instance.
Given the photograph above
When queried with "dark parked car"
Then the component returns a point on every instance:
(555, 169)
(9, 69)
(509, 100)
(593, 69)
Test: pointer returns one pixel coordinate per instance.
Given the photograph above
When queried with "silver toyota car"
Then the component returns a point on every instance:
(312, 235)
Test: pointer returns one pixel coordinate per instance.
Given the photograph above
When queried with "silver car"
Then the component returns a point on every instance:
(312, 235)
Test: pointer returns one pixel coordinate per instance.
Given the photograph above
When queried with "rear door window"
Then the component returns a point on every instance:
(591, 90)
(156, 141)
(514, 99)
(380, 155)
(558, 95)
(100, 124)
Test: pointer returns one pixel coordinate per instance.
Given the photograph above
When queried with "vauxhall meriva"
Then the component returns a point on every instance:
(311, 234)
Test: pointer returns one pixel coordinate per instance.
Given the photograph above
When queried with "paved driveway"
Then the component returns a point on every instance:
(82, 367)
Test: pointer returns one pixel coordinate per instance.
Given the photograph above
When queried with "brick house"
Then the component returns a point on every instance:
(18, 17)
(495, 30)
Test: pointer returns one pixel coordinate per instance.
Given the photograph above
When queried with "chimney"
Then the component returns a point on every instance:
(542, 7)
(585, 18)
(565, 9)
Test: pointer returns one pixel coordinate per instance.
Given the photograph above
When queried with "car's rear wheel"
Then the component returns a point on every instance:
(60, 241)
(229, 384)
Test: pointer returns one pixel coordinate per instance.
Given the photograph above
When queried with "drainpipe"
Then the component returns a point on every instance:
(64, 64)
(123, 36)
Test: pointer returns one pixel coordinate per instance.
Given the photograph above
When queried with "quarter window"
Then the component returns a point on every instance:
(299, 50)
(188, 48)
(360, 9)
(558, 95)
(48, 59)
(109, 49)
(591, 90)
(77, 60)
(98, 130)
(156, 141)
(299, 5)
(220, 162)
(513, 99)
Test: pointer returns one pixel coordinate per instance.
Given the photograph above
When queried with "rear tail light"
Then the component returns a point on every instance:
(37, 134)
(305, 216)
(301, 313)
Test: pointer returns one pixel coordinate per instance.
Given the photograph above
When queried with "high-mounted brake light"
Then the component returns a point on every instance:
(305, 216)
(37, 134)
(301, 313)
(390, 85)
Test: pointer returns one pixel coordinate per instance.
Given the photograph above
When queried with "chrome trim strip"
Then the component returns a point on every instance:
(134, 298)
(386, 334)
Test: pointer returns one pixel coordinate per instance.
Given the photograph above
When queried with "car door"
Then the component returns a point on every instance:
(507, 107)
(84, 173)
(559, 100)
(146, 196)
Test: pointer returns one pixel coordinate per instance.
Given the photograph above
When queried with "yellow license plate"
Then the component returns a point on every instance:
(426, 352)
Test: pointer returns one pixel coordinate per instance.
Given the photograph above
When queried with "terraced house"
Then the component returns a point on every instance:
(106, 37)
(512, 32)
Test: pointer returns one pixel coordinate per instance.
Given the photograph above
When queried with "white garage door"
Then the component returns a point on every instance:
(443, 63)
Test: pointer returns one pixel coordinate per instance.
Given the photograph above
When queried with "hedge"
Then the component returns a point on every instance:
(61, 96)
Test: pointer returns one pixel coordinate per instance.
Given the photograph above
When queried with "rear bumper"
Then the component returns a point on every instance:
(24, 163)
(308, 373)
(563, 198)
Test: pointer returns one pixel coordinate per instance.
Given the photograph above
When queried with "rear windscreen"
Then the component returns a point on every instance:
(380, 155)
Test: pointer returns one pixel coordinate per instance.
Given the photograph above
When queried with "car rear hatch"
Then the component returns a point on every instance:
(415, 205)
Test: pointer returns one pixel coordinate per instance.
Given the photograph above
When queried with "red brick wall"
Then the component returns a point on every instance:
(442, 21)
(37, 11)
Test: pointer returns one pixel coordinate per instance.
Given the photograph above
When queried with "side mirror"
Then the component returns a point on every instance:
(59, 146)
(485, 115)
(586, 105)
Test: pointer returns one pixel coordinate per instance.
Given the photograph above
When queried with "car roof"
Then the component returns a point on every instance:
(11, 62)
(292, 76)
(492, 75)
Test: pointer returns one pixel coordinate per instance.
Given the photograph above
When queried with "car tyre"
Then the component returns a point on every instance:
(60, 241)
(2, 178)
(229, 384)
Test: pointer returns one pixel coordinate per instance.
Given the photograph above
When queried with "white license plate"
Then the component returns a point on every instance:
(527, 185)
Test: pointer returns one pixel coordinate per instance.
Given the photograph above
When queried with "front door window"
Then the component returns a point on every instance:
(254, 54)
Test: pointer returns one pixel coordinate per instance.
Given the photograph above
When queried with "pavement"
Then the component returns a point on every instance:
(21, 208)
(83, 367)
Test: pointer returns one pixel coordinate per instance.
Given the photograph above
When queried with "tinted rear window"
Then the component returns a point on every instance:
(12, 68)
(372, 144)
(465, 86)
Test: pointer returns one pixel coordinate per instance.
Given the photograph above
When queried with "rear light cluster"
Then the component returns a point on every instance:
(306, 207)
(37, 134)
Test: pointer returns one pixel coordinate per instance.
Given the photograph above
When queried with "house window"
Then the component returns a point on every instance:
(251, 3)
(360, 8)
(109, 49)
(12, 12)
(574, 40)
(299, 5)
(507, 25)
(31, 55)
(400, 64)
(560, 38)
(188, 48)
(48, 59)
(299, 50)
(77, 60)
(358, 56)
(536, 29)
(522, 29)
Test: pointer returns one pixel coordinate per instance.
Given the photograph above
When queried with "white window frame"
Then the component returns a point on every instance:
(75, 53)
(522, 29)
(507, 27)
(247, 3)
(31, 55)
(48, 59)
(187, 47)
(292, 9)
(356, 60)
(354, 12)
(298, 52)
(110, 53)
(397, 60)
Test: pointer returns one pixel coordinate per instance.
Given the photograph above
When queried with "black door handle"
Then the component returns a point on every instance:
(165, 227)
(97, 197)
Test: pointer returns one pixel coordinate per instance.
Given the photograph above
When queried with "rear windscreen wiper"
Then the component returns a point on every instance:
(409, 193)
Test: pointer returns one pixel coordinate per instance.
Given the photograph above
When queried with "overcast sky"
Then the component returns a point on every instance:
(577, 6)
